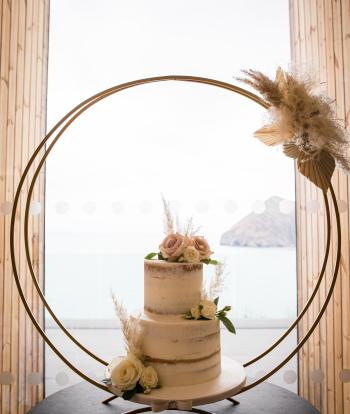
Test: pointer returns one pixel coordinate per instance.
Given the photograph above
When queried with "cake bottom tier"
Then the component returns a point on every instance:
(183, 352)
(188, 372)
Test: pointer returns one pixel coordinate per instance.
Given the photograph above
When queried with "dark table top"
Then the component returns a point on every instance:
(84, 398)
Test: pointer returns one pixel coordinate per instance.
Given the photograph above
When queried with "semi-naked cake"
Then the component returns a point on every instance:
(183, 352)
(175, 342)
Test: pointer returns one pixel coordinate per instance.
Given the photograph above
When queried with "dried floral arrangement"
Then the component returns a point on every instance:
(181, 244)
(304, 123)
(207, 308)
(129, 374)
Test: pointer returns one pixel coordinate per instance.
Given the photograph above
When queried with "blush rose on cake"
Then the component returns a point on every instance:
(182, 248)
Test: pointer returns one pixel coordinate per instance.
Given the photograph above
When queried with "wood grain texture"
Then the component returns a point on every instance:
(320, 41)
(23, 85)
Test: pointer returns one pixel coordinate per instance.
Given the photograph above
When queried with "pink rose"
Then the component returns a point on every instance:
(173, 246)
(202, 246)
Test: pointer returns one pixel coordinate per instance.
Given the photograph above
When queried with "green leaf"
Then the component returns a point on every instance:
(210, 261)
(107, 381)
(188, 315)
(213, 262)
(127, 395)
(139, 387)
(200, 307)
(221, 313)
(228, 324)
(151, 255)
(216, 301)
(160, 256)
(226, 309)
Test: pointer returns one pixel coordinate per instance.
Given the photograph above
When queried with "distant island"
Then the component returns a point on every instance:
(272, 228)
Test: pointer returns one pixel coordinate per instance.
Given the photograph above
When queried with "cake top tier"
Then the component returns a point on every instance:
(170, 287)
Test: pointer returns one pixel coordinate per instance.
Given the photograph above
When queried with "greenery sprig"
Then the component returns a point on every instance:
(221, 315)
(159, 256)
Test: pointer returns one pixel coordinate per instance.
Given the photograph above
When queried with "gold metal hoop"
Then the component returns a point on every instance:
(69, 118)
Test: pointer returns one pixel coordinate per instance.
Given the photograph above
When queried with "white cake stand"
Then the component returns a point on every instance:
(227, 384)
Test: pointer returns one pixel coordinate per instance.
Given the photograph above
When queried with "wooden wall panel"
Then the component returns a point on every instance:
(23, 85)
(320, 40)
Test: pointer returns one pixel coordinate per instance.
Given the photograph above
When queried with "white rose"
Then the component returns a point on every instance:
(195, 312)
(191, 255)
(127, 373)
(149, 379)
(208, 309)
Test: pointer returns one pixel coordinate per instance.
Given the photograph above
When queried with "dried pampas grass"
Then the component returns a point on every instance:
(304, 123)
(173, 224)
(216, 283)
(130, 326)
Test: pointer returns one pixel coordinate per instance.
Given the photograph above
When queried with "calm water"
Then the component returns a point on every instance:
(260, 282)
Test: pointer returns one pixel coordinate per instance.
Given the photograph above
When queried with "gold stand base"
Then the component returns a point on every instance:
(108, 400)
(234, 402)
(147, 409)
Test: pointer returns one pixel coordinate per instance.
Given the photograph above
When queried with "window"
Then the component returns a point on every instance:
(191, 142)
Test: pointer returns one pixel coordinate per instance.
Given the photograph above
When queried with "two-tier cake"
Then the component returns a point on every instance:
(182, 351)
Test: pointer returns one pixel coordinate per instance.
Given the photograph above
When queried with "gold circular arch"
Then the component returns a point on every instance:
(60, 128)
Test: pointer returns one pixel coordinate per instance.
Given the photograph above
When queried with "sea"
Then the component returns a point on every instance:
(260, 283)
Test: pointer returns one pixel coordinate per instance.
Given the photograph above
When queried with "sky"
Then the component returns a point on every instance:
(192, 143)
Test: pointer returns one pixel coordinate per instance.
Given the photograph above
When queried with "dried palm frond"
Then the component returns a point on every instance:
(304, 123)
(131, 328)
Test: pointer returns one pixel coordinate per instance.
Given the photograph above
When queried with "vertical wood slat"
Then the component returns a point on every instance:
(17, 168)
(38, 243)
(302, 243)
(4, 91)
(345, 24)
(42, 182)
(23, 70)
(321, 45)
(23, 402)
(316, 218)
(339, 187)
(320, 30)
(310, 248)
(10, 157)
(31, 145)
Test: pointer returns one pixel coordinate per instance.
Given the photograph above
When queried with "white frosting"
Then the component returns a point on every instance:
(171, 288)
(189, 373)
(182, 351)
(173, 338)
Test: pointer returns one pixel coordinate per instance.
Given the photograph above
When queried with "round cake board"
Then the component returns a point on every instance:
(227, 384)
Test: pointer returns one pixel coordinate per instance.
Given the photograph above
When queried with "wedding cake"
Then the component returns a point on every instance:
(175, 341)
